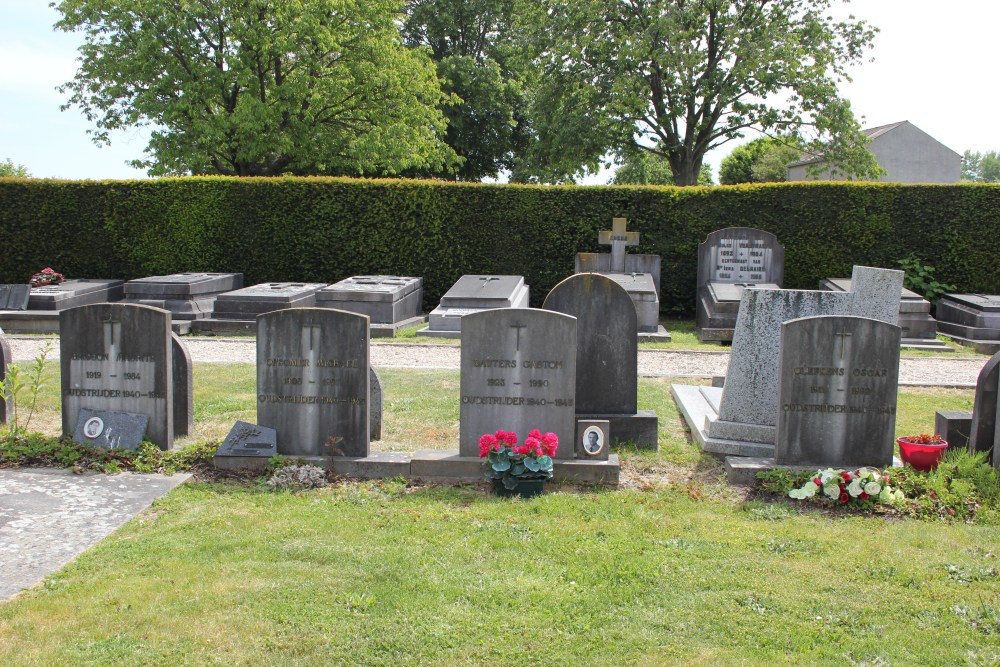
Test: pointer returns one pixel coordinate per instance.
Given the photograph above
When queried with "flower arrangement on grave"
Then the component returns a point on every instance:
(923, 451)
(511, 463)
(923, 439)
(46, 277)
(850, 486)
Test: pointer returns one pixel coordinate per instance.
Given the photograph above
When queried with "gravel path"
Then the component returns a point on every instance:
(950, 371)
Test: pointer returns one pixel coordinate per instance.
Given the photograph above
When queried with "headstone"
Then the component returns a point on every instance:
(619, 239)
(472, 294)
(313, 381)
(384, 299)
(729, 261)
(109, 429)
(249, 302)
(593, 439)
(183, 379)
(188, 296)
(518, 373)
(954, 426)
(972, 319)
(75, 293)
(14, 297)
(117, 357)
(375, 405)
(838, 381)
(984, 436)
(6, 358)
(249, 440)
(914, 311)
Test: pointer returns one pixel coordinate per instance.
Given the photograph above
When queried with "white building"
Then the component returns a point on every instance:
(907, 153)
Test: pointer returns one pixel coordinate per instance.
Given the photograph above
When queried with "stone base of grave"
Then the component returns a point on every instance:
(933, 344)
(432, 333)
(217, 327)
(715, 335)
(699, 406)
(251, 463)
(742, 470)
(29, 321)
(641, 428)
(982, 345)
(661, 335)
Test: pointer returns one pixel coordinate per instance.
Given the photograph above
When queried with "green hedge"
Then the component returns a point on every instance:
(324, 229)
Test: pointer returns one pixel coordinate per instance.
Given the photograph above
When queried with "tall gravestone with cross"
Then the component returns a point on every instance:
(118, 358)
(473, 294)
(313, 381)
(729, 261)
(638, 274)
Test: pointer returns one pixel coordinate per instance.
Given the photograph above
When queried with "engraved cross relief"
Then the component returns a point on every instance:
(310, 348)
(518, 326)
(112, 339)
(842, 336)
(486, 280)
(618, 239)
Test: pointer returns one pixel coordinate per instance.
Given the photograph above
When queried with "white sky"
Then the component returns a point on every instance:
(932, 66)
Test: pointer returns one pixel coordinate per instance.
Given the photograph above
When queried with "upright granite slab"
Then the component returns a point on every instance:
(472, 294)
(984, 436)
(249, 302)
(972, 320)
(838, 381)
(394, 301)
(518, 373)
(313, 381)
(183, 380)
(6, 358)
(14, 297)
(919, 328)
(729, 261)
(742, 417)
(117, 357)
(606, 355)
(375, 405)
(188, 296)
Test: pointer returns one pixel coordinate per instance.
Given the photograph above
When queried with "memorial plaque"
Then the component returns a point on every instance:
(117, 357)
(247, 439)
(607, 348)
(385, 299)
(110, 430)
(14, 297)
(837, 393)
(593, 439)
(75, 293)
(313, 381)
(6, 358)
(249, 302)
(518, 373)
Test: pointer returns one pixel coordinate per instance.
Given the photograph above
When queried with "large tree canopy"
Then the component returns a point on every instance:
(686, 76)
(259, 87)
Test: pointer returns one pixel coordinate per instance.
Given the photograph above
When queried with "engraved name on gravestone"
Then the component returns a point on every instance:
(518, 373)
(313, 381)
(117, 357)
(837, 393)
(740, 255)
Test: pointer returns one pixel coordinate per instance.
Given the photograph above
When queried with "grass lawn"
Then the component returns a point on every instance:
(674, 568)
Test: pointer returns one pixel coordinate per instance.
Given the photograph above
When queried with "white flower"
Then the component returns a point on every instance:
(810, 489)
(831, 491)
(873, 488)
(798, 494)
(854, 488)
(826, 475)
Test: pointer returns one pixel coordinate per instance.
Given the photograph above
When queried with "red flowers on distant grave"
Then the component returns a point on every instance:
(46, 277)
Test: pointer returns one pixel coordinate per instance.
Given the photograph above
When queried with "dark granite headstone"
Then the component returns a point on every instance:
(375, 406)
(75, 293)
(14, 297)
(838, 380)
(313, 381)
(385, 299)
(117, 357)
(518, 373)
(6, 358)
(249, 302)
(188, 296)
(110, 429)
(183, 379)
(729, 261)
(247, 439)
(984, 434)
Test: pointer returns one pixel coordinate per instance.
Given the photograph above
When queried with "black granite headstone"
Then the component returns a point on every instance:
(14, 297)
(984, 411)
(110, 429)
(247, 439)
(183, 379)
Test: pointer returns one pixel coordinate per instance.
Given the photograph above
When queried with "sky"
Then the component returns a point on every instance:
(931, 67)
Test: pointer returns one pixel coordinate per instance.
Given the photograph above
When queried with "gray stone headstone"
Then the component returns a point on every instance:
(741, 255)
(6, 358)
(247, 439)
(183, 379)
(249, 302)
(607, 348)
(14, 297)
(313, 381)
(518, 373)
(75, 293)
(837, 393)
(117, 357)
(914, 311)
(984, 435)
(385, 299)
(748, 408)
(110, 429)
(375, 405)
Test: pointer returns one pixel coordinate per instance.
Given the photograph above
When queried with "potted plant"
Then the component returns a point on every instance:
(46, 277)
(518, 470)
(923, 451)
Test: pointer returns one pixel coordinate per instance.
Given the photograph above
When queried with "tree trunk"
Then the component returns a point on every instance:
(686, 171)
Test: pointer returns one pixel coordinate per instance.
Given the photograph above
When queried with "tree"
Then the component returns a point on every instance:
(648, 168)
(8, 168)
(763, 160)
(258, 88)
(981, 167)
(690, 75)
(482, 61)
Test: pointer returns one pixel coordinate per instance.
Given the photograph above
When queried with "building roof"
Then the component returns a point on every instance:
(870, 132)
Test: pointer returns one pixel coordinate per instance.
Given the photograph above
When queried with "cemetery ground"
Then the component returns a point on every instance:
(674, 567)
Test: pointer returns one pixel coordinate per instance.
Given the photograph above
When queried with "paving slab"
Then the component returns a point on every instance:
(49, 516)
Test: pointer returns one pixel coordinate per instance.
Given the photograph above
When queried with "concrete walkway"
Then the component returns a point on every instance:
(48, 517)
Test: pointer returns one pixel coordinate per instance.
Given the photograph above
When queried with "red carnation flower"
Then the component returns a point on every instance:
(817, 481)
(847, 476)
(863, 496)
(844, 498)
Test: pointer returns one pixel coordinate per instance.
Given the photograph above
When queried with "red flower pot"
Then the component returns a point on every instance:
(921, 457)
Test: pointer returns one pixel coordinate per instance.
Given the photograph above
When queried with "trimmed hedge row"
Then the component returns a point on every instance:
(324, 229)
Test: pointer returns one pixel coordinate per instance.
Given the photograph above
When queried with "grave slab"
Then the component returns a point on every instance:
(188, 296)
(14, 297)
(246, 447)
(249, 302)
(472, 294)
(434, 465)
(919, 328)
(384, 299)
(75, 293)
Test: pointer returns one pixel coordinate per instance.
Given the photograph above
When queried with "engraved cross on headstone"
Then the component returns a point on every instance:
(518, 326)
(112, 339)
(843, 336)
(486, 280)
(310, 347)
(618, 239)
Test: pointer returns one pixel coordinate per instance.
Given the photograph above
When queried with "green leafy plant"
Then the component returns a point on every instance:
(511, 463)
(14, 385)
(920, 278)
